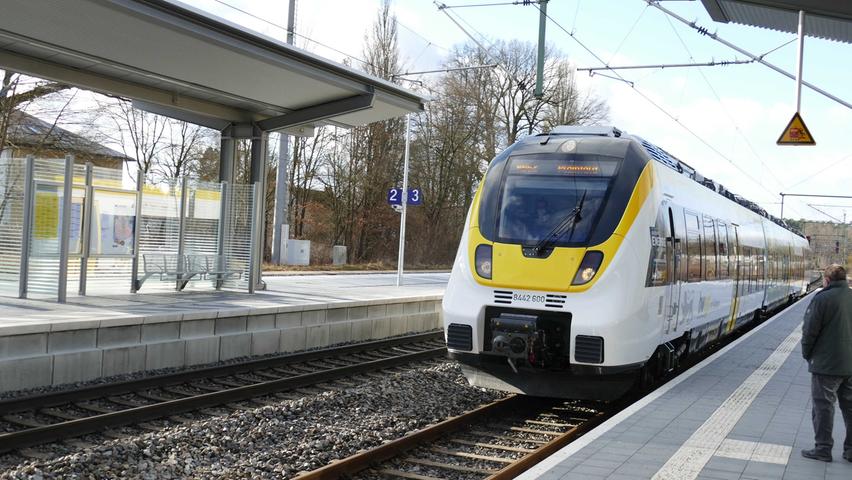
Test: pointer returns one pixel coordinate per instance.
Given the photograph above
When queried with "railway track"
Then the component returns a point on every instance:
(29, 421)
(495, 441)
(499, 440)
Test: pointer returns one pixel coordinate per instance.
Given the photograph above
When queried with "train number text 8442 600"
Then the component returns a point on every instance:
(528, 298)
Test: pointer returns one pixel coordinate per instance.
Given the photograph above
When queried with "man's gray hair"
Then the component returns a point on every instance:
(835, 272)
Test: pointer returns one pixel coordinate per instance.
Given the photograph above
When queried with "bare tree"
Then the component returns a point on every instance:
(17, 92)
(567, 105)
(140, 135)
(375, 152)
(184, 146)
(309, 156)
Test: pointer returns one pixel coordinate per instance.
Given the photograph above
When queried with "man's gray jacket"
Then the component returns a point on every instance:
(827, 331)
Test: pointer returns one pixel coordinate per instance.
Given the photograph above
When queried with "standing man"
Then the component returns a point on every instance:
(827, 346)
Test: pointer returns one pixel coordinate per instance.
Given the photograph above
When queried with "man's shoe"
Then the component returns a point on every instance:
(814, 454)
(848, 456)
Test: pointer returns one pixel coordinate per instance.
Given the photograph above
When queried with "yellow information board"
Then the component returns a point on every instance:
(46, 217)
(796, 133)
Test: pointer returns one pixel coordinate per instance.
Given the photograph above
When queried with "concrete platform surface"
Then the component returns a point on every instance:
(743, 413)
(283, 293)
(45, 343)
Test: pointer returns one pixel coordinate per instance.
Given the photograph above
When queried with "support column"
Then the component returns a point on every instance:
(137, 227)
(539, 68)
(26, 231)
(65, 229)
(224, 228)
(227, 155)
(257, 172)
(85, 241)
(256, 255)
(282, 199)
(181, 255)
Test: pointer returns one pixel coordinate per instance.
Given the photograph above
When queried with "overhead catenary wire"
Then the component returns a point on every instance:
(811, 176)
(659, 107)
(492, 4)
(724, 109)
(288, 31)
(324, 45)
(418, 34)
(759, 59)
(442, 7)
(826, 214)
(627, 35)
(443, 70)
(662, 66)
(829, 205)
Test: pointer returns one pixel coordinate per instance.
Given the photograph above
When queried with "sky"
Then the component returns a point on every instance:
(722, 120)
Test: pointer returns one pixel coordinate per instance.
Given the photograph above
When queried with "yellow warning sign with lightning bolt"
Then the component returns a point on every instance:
(796, 133)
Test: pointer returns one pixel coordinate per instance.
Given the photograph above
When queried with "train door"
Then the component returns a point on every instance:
(673, 247)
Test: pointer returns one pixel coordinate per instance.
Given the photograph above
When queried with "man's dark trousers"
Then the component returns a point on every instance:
(825, 390)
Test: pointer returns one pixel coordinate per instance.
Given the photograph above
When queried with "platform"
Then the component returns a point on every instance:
(47, 343)
(743, 413)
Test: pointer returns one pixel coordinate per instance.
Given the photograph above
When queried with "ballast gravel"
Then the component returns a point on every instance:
(277, 441)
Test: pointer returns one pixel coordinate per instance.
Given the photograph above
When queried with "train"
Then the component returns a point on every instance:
(593, 262)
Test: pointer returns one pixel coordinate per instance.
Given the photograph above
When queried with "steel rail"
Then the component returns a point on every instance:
(531, 459)
(370, 458)
(19, 404)
(363, 460)
(77, 427)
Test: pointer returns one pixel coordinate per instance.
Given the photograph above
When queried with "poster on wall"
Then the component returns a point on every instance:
(115, 225)
(47, 227)
(75, 245)
(117, 233)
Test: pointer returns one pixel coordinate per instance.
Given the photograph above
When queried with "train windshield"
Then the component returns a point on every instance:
(539, 193)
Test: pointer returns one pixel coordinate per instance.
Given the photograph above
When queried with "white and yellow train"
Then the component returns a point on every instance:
(593, 259)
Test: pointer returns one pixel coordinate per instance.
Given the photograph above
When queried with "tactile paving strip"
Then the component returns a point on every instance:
(690, 459)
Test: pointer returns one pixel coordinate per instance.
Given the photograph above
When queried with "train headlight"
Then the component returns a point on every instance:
(483, 261)
(588, 267)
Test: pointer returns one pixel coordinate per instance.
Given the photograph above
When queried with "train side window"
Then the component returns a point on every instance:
(723, 242)
(752, 275)
(693, 248)
(733, 248)
(745, 269)
(709, 249)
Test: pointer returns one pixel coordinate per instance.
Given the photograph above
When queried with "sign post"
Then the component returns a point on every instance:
(796, 133)
(401, 259)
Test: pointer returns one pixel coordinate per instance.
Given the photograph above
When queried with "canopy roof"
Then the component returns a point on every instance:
(176, 60)
(828, 19)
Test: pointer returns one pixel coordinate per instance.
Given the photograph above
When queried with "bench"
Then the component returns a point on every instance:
(212, 267)
(183, 268)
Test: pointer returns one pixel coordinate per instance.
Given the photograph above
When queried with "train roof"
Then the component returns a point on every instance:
(661, 156)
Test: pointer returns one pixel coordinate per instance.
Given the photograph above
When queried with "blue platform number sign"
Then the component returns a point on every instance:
(415, 197)
(395, 196)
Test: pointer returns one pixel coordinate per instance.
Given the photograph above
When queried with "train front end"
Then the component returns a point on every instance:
(546, 294)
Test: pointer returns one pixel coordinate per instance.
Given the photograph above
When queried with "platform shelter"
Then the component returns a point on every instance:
(105, 238)
(172, 59)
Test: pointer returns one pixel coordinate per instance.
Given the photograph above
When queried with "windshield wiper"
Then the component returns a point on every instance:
(571, 220)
